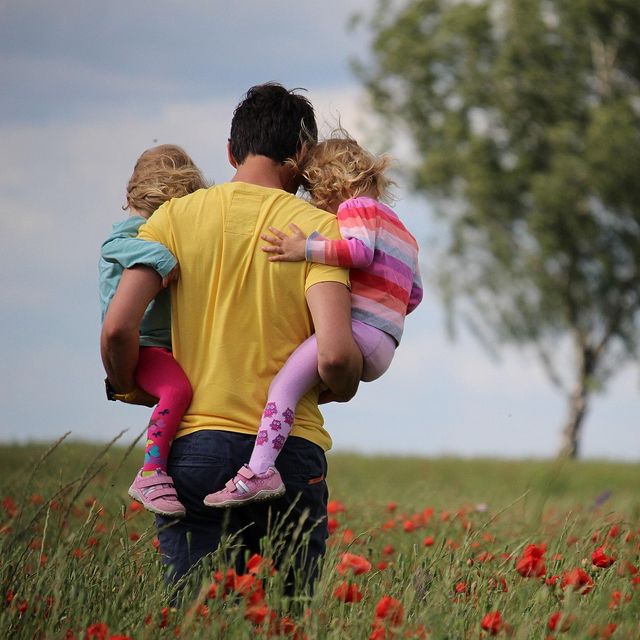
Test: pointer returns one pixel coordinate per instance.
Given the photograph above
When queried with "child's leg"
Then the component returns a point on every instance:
(160, 375)
(297, 376)
(378, 349)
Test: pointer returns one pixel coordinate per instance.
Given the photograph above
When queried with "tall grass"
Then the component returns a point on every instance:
(74, 553)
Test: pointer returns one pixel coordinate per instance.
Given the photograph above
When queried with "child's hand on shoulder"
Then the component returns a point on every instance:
(287, 248)
(172, 276)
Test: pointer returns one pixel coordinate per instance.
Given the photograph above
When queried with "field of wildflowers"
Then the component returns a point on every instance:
(418, 549)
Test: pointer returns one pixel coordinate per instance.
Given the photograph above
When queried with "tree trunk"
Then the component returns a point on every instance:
(570, 436)
(586, 360)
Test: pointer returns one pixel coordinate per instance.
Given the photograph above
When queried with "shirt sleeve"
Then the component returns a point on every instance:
(415, 298)
(358, 226)
(158, 228)
(129, 251)
(318, 272)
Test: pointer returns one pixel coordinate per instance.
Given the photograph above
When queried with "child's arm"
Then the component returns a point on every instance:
(415, 298)
(355, 250)
(130, 251)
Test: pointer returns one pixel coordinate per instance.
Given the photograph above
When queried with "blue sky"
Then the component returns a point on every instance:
(85, 89)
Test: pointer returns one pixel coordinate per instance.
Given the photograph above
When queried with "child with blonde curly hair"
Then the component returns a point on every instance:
(160, 174)
(346, 180)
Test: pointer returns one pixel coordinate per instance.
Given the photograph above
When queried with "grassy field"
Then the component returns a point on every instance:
(419, 549)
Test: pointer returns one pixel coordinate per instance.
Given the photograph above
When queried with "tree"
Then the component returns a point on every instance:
(526, 119)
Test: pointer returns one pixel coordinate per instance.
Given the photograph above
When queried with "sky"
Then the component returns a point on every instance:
(86, 88)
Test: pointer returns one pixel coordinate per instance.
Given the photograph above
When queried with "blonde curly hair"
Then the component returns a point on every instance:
(162, 173)
(338, 169)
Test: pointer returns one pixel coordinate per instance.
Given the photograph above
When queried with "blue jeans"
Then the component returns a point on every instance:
(202, 462)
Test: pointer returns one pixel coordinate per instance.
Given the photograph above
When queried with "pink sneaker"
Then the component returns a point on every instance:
(157, 494)
(248, 487)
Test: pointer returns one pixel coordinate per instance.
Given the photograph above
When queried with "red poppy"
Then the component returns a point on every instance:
(626, 568)
(332, 525)
(97, 631)
(578, 580)
(382, 565)
(531, 564)
(560, 622)
(429, 541)
(498, 583)
(390, 611)
(409, 526)
(492, 623)
(601, 559)
(392, 506)
(353, 563)
(257, 563)
(347, 592)
(388, 550)
(134, 537)
(335, 506)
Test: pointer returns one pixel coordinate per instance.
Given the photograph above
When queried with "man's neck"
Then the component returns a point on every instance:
(264, 172)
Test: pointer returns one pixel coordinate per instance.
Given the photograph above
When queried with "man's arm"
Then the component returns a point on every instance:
(339, 358)
(120, 339)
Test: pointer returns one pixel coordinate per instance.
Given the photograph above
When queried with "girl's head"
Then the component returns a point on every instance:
(162, 173)
(338, 169)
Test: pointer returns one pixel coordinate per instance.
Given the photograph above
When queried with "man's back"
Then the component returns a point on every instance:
(237, 317)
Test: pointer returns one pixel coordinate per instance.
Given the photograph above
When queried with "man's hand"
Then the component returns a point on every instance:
(172, 276)
(288, 248)
(339, 358)
(145, 399)
(120, 340)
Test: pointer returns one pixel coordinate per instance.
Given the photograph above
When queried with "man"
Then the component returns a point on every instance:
(236, 318)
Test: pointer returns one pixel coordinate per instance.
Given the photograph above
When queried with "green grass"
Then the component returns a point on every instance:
(74, 554)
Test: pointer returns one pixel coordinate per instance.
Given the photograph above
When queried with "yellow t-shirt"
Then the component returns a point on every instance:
(236, 317)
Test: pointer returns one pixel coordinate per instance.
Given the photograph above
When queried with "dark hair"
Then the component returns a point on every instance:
(272, 121)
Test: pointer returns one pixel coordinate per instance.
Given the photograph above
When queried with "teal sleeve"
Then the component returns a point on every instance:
(129, 251)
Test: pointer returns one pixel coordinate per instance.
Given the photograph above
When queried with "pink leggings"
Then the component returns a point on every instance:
(160, 375)
(298, 375)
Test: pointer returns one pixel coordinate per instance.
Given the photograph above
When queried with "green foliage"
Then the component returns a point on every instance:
(526, 119)
(71, 560)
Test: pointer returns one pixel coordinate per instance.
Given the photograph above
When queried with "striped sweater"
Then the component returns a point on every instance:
(383, 256)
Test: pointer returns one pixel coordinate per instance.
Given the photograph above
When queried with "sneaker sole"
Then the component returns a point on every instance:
(261, 496)
(149, 507)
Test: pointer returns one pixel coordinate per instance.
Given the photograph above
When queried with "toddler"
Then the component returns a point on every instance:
(161, 173)
(346, 180)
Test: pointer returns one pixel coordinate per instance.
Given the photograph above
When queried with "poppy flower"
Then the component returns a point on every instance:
(257, 563)
(492, 623)
(559, 622)
(578, 580)
(392, 506)
(332, 525)
(388, 550)
(347, 592)
(601, 559)
(390, 611)
(626, 568)
(97, 631)
(531, 564)
(353, 563)
(428, 542)
(335, 506)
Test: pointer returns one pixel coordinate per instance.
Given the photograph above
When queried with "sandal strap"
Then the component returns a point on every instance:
(155, 479)
(245, 472)
(162, 493)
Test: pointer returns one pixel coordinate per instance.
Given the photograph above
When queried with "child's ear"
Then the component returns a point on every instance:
(232, 161)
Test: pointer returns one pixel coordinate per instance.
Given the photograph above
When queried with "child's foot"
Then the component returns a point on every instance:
(248, 487)
(157, 494)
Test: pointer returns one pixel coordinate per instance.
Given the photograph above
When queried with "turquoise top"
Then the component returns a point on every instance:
(123, 249)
